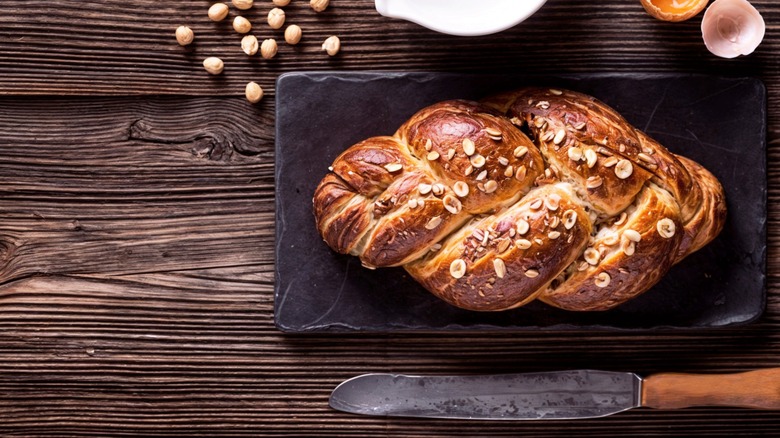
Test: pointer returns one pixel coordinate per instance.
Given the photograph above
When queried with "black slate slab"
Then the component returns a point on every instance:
(719, 122)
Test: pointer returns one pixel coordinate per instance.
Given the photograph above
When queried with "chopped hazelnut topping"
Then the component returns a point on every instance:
(610, 240)
(593, 182)
(632, 235)
(393, 167)
(458, 268)
(627, 246)
(592, 256)
(569, 219)
(559, 136)
(461, 189)
(602, 280)
(522, 227)
(552, 202)
(590, 158)
(500, 267)
(666, 228)
(623, 169)
(477, 161)
(433, 223)
(468, 147)
(494, 134)
(452, 204)
(575, 153)
(521, 173)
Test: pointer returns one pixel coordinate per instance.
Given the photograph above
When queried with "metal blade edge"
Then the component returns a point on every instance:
(529, 396)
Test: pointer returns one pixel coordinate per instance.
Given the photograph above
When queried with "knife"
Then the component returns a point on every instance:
(551, 395)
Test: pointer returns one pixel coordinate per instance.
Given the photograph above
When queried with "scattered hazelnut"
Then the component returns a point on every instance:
(242, 25)
(253, 92)
(293, 34)
(243, 4)
(319, 5)
(218, 11)
(332, 45)
(249, 45)
(281, 2)
(213, 65)
(268, 48)
(276, 18)
(184, 35)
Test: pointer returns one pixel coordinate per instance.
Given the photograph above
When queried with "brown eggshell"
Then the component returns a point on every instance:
(666, 11)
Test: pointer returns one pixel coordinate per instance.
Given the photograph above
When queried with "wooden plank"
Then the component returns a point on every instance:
(132, 186)
(77, 47)
(136, 233)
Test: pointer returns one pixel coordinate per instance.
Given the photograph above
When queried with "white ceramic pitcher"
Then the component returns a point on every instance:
(461, 17)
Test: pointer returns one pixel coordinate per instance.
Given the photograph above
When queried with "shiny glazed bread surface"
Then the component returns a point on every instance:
(536, 193)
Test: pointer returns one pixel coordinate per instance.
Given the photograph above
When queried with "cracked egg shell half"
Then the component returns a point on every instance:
(731, 28)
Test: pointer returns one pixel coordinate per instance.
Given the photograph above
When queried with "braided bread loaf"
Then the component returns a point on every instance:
(536, 193)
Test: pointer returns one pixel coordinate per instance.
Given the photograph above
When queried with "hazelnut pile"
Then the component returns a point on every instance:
(249, 43)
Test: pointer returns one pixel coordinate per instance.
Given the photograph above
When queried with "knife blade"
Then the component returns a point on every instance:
(550, 395)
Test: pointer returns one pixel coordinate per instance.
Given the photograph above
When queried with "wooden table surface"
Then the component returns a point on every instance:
(137, 225)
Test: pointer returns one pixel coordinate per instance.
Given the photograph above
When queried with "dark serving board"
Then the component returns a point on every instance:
(719, 122)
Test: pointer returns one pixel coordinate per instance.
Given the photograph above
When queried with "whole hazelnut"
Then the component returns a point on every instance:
(281, 3)
(184, 35)
(276, 18)
(241, 24)
(213, 65)
(332, 45)
(218, 11)
(319, 5)
(268, 48)
(243, 4)
(293, 34)
(249, 45)
(253, 92)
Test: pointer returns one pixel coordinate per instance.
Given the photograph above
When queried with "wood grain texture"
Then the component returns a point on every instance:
(137, 234)
(757, 389)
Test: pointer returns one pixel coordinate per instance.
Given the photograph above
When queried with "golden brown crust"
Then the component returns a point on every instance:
(569, 126)
(632, 266)
(404, 233)
(534, 193)
(342, 216)
(439, 132)
(528, 256)
(710, 216)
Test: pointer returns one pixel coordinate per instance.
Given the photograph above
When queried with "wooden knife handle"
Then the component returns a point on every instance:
(758, 389)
